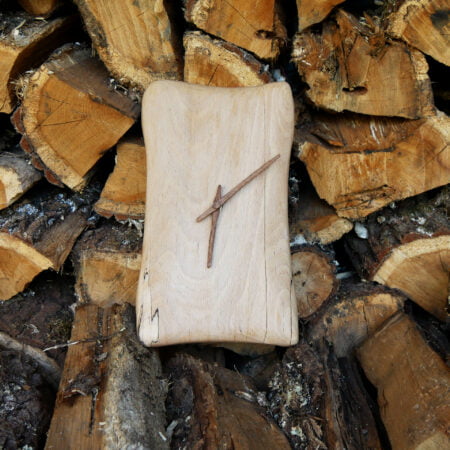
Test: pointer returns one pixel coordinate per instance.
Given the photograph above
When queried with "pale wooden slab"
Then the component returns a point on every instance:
(196, 138)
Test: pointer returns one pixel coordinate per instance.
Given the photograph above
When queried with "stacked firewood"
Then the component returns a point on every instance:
(369, 227)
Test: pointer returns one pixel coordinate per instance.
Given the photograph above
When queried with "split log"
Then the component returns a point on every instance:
(112, 392)
(136, 40)
(311, 12)
(212, 407)
(320, 402)
(408, 247)
(42, 8)
(351, 67)
(255, 26)
(25, 43)
(17, 175)
(416, 414)
(124, 193)
(356, 312)
(70, 116)
(38, 233)
(107, 262)
(424, 25)
(374, 161)
(218, 63)
(314, 278)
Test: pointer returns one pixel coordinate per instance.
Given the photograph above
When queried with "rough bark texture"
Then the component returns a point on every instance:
(110, 381)
(416, 414)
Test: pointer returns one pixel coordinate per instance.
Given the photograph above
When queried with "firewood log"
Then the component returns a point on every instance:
(70, 116)
(213, 407)
(38, 233)
(408, 247)
(124, 193)
(111, 393)
(413, 384)
(255, 26)
(107, 262)
(42, 8)
(25, 43)
(360, 164)
(314, 278)
(17, 175)
(136, 40)
(213, 62)
(423, 24)
(313, 11)
(355, 313)
(320, 402)
(350, 66)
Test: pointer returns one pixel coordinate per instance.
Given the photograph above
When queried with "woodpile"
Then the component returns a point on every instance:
(369, 202)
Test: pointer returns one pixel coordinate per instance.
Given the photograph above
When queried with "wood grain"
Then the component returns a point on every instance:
(196, 138)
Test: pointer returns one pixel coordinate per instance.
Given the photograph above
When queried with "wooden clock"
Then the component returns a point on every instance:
(216, 260)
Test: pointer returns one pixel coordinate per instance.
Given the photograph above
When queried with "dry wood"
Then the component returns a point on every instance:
(124, 193)
(111, 393)
(408, 247)
(218, 63)
(352, 316)
(351, 67)
(42, 8)
(320, 402)
(416, 414)
(246, 296)
(213, 407)
(135, 39)
(314, 279)
(17, 175)
(360, 164)
(25, 43)
(70, 116)
(424, 24)
(255, 26)
(107, 262)
(314, 219)
(313, 11)
(38, 233)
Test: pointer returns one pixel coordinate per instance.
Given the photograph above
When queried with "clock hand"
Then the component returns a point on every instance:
(221, 200)
(212, 235)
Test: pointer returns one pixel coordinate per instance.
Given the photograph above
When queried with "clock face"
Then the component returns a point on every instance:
(216, 259)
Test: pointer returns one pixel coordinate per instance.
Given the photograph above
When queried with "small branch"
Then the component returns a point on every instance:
(218, 203)
(212, 235)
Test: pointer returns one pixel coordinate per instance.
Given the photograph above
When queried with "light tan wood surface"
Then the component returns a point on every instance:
(196, 138)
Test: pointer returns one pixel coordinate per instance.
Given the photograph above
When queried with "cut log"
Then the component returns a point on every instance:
(124, 193)
(356, 312)
(213, 407)
(424, 24)
(408, 248)
(218, 63)
(136, 40)
(374, 161)
(255, 26)
(17, 175)
(319, 401)
(313, 11)
(416, 414)
(107, 262)
(38, 233)
(314, 279)
(314, 219)
(112, 392)
(42, 8)
(25, 43)
(349, 66)
(70, 116)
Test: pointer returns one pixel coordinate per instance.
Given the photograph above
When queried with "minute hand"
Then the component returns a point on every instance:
(218, 203)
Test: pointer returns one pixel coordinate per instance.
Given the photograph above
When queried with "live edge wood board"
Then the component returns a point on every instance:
(198, 138)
